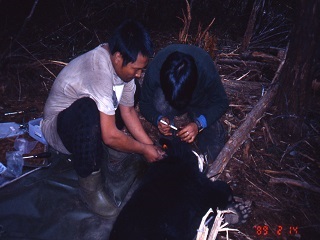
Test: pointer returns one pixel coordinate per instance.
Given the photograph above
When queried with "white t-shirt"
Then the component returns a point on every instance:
(89, 75)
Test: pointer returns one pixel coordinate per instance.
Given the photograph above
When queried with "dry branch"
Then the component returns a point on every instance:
(243, 87)
(296, 183)
(249, 31)
(184, 33)
(28, 18)
(219, 225)
(241, 62)
(268, 134)
(241, 134)
(51, 73)
(202, 34)
(6, 52)
(203, 38)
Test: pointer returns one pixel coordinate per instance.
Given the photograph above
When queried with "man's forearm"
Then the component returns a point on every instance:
(120, 141)
(117, 139)
(133, 124)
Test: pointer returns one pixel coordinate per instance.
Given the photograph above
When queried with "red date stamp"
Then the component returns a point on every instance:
(279, 230)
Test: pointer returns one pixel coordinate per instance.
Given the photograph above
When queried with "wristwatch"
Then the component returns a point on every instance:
(200, 128)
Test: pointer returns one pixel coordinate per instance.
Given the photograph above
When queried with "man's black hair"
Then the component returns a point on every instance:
(178, 79)
(131, 38)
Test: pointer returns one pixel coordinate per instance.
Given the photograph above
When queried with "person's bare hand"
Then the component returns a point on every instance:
(153, 153)
(165, 129)
(188, 133)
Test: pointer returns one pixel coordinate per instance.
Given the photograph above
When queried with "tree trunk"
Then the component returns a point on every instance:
(293, 97)
(295, 78)
(250, 27)
(241, 134)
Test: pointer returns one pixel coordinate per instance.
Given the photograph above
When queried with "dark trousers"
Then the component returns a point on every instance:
(211, 140)
(80, 132)
(79, 129)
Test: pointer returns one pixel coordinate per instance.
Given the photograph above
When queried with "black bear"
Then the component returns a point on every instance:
(171, 199)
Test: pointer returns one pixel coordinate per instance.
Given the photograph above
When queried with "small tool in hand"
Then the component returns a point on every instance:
(171, 126)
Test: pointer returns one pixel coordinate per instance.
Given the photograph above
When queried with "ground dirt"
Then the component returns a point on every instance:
(278, 174)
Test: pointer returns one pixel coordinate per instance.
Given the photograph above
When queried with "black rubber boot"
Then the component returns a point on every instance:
(121, 170)
(93, 194)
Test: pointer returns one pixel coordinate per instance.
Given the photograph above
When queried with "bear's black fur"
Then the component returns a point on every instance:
(171, 199)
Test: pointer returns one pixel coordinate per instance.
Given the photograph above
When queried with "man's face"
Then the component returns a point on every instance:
(131, 70)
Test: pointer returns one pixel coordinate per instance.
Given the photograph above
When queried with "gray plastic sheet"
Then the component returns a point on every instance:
(10, 129)
(45, 205)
